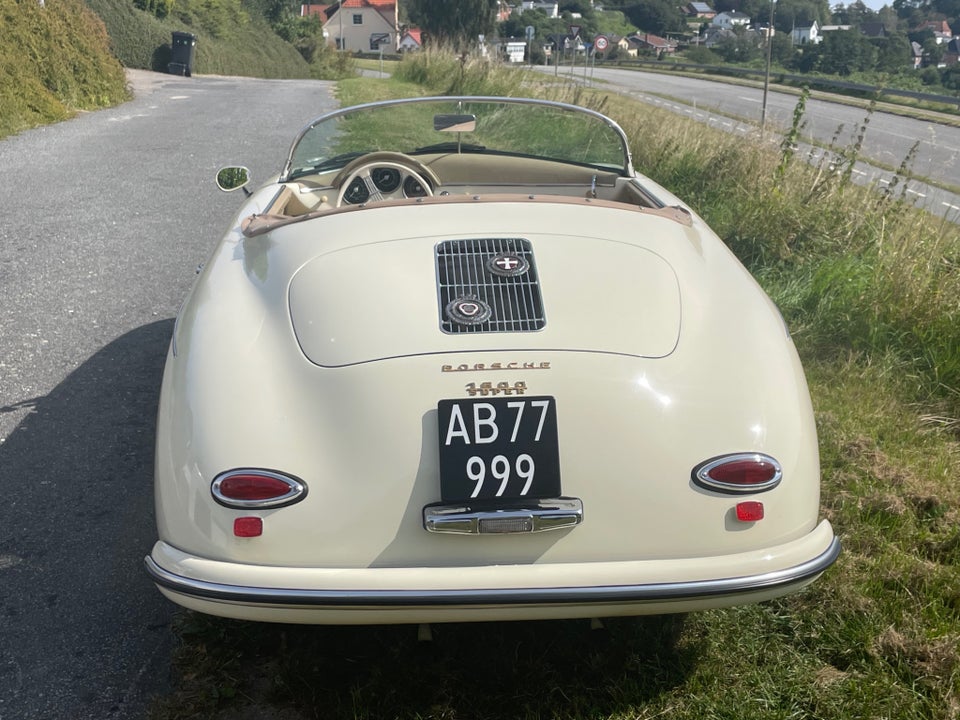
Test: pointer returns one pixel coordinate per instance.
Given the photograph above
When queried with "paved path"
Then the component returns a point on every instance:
(106, 218)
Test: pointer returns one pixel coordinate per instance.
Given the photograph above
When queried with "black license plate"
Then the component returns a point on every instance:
(498, 448)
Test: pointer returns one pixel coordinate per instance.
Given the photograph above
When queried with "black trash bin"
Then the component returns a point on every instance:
(183, 50)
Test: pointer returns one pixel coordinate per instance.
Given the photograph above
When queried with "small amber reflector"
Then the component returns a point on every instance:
(248, 527)
(750, 511)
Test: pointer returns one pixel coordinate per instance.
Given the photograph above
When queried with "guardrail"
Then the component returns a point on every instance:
(787, 78)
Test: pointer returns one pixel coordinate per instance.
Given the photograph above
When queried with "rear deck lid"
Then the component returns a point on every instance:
(420, 296)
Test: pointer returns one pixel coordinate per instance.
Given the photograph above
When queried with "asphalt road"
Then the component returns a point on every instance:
(888, 139)
(106, 218)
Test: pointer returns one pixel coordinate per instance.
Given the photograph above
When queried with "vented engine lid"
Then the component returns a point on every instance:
(419, 296)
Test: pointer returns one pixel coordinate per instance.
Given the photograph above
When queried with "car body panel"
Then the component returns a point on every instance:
(312, 345)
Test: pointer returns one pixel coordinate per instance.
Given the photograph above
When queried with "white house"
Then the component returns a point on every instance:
(552, 9)
(731, 19)
(410, 41)
(807, 34)
(363, 25)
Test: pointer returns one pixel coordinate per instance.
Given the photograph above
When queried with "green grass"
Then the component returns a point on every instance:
(869, 287)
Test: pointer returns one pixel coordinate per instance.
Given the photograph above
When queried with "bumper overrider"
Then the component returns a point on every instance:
(506, 592)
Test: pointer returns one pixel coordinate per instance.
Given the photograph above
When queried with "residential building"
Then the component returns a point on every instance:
(645, 42)
(359, 25)
(940, 29)
(731, 19)
(917, 55)
(807, 34)
(714, 35)
(873, 30)
(699, 10)
(952, 54)
(622, 45)
(833, 28)
(410, 40)
(552, 9)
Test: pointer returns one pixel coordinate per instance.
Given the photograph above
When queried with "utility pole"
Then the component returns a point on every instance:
(766, 76)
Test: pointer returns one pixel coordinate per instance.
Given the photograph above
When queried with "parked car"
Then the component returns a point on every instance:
(458, 362)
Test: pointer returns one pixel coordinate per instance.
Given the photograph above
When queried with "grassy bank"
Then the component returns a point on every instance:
(871, 290)
(68, 55)
(54, 62)
(230, 39)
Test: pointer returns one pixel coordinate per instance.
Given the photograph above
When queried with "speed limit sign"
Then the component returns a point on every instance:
(600, 43)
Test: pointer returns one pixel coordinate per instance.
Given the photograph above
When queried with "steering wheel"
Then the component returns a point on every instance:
(382, 175)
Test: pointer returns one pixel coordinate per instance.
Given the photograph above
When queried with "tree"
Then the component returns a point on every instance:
(930, 76)
(894, 53)
(951, 77)
(800, 13)
(739, 48)
(657, 16)
(781, 50)
(701, 55)
(933, 51)
(846, 51)
(458, 22)
(543, 26)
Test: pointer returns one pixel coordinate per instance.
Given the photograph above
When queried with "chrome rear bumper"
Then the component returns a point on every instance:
(768, 584)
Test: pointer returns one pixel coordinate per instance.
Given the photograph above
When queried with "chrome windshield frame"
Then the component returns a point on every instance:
(626, 171)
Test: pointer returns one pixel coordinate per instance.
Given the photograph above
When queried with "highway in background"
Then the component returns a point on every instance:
(737, 108)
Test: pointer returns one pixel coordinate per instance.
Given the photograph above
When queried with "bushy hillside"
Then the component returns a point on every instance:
(68, 55)
(231, 39)
(54, 61)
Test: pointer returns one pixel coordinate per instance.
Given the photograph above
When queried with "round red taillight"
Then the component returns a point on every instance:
(739, 473)
(256, 489)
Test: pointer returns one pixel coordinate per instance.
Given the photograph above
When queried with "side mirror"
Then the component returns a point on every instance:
(233, 178)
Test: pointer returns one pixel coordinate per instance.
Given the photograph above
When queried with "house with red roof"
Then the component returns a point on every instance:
(940, 29)
(410, 40)
(652, 43)
(359, 25)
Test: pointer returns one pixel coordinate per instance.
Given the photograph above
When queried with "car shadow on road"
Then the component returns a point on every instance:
(85, 634)
(557, 669)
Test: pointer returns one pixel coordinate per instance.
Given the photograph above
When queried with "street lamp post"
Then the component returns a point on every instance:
(766, 76)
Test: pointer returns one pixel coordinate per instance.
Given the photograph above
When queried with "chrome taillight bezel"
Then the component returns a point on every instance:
(701, 474)
(297, 490)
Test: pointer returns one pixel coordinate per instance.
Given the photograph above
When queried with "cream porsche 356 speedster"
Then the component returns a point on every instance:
(458, 362)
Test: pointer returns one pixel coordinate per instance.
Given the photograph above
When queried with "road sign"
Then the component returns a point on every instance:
(600, 43)
(531, 32)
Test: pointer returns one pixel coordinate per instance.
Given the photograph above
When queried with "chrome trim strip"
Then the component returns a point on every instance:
(536, 516)
(488, 596)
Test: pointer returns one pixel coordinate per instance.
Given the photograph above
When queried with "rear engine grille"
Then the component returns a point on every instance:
(488, 285)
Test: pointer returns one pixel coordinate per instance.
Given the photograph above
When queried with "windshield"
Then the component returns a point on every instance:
(504, 126)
